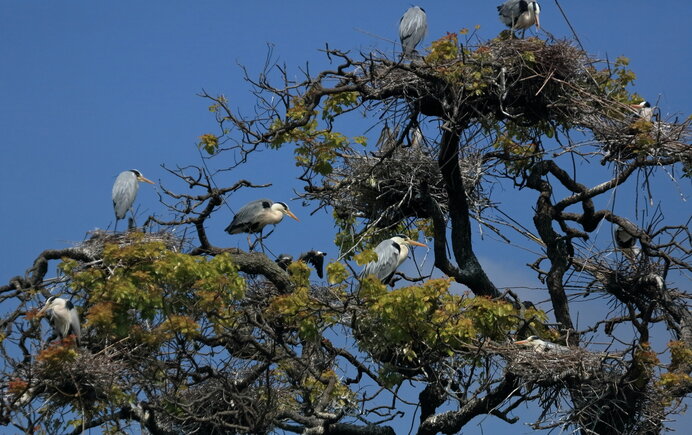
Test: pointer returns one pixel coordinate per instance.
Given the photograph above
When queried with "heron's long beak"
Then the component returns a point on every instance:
(290, 213)
(538, 22)
(146, 180)
(521, 342)
(42, 311)
(413, 242)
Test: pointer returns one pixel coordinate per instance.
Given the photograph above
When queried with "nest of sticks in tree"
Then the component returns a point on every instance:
(523, 80)
(638, 281)
(81, 381)
(562, 367)
(534, 84)
(385, 189)
(220, 404)
(627, 137)
(94, 245)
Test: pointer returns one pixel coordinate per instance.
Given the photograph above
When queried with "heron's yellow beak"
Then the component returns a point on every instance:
(413, 242)
(521, 342)
(538, 22)
(146, 180)
(290, 213)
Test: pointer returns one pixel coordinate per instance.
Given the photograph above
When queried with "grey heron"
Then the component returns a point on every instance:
(412, 28)
(626, 243)
(390, 254)
(316, 258)
(520, 14)
(542, 346)
(125, 191)
(644, 110)
(255, 215)
(63, 317)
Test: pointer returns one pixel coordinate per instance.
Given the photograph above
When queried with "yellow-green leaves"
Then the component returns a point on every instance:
(209, 143)
(444, 49)
(613, 81)
(299, 273)
(336, 104)
(371, 289)
(426, 322)
(365, 257)
(180, 324)
(336, 273)
(300, 310)
(145, 281)
(680, 354)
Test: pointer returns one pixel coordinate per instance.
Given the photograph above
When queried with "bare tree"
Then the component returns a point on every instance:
(183, 336)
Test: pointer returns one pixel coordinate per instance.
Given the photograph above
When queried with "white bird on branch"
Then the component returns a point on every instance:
(412, 28)
(63, 317)
(125, 191)
(390, 254)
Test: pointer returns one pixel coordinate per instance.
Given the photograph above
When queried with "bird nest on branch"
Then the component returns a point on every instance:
(628, 137)
(94, 245)
(399, 185)
(567, 365)
(526, 81)
(531, 83)
(71, 377)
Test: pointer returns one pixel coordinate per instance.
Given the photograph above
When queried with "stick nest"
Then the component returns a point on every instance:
(98, 239)
(384, 189)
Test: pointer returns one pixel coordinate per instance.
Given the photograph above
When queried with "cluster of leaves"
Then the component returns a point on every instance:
(464, 67)
(426, 322)
(146, 281)
(300, 309)
(613, 81)
(317, 148)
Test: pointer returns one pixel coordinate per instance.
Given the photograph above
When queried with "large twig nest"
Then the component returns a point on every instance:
(399, 185)
(98, 239)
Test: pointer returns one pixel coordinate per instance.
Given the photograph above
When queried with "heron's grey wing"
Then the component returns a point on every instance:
(386, 264)
(74, 325)
(124, 193)
(509, 11)
(247, 215)
(412, 28)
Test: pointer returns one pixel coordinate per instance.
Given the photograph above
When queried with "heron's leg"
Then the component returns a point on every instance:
(131, 223)
(262, 237)
(53, 336)
(115, 228)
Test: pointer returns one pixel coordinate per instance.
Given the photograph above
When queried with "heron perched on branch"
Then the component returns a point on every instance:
(255, 215)
(520, 14)
(390, 254)
(316, 258)
(542, 346)
(125, 191)
(412, 29)
(63, 317)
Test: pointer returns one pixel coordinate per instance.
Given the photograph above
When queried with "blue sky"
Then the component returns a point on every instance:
(88, 89)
